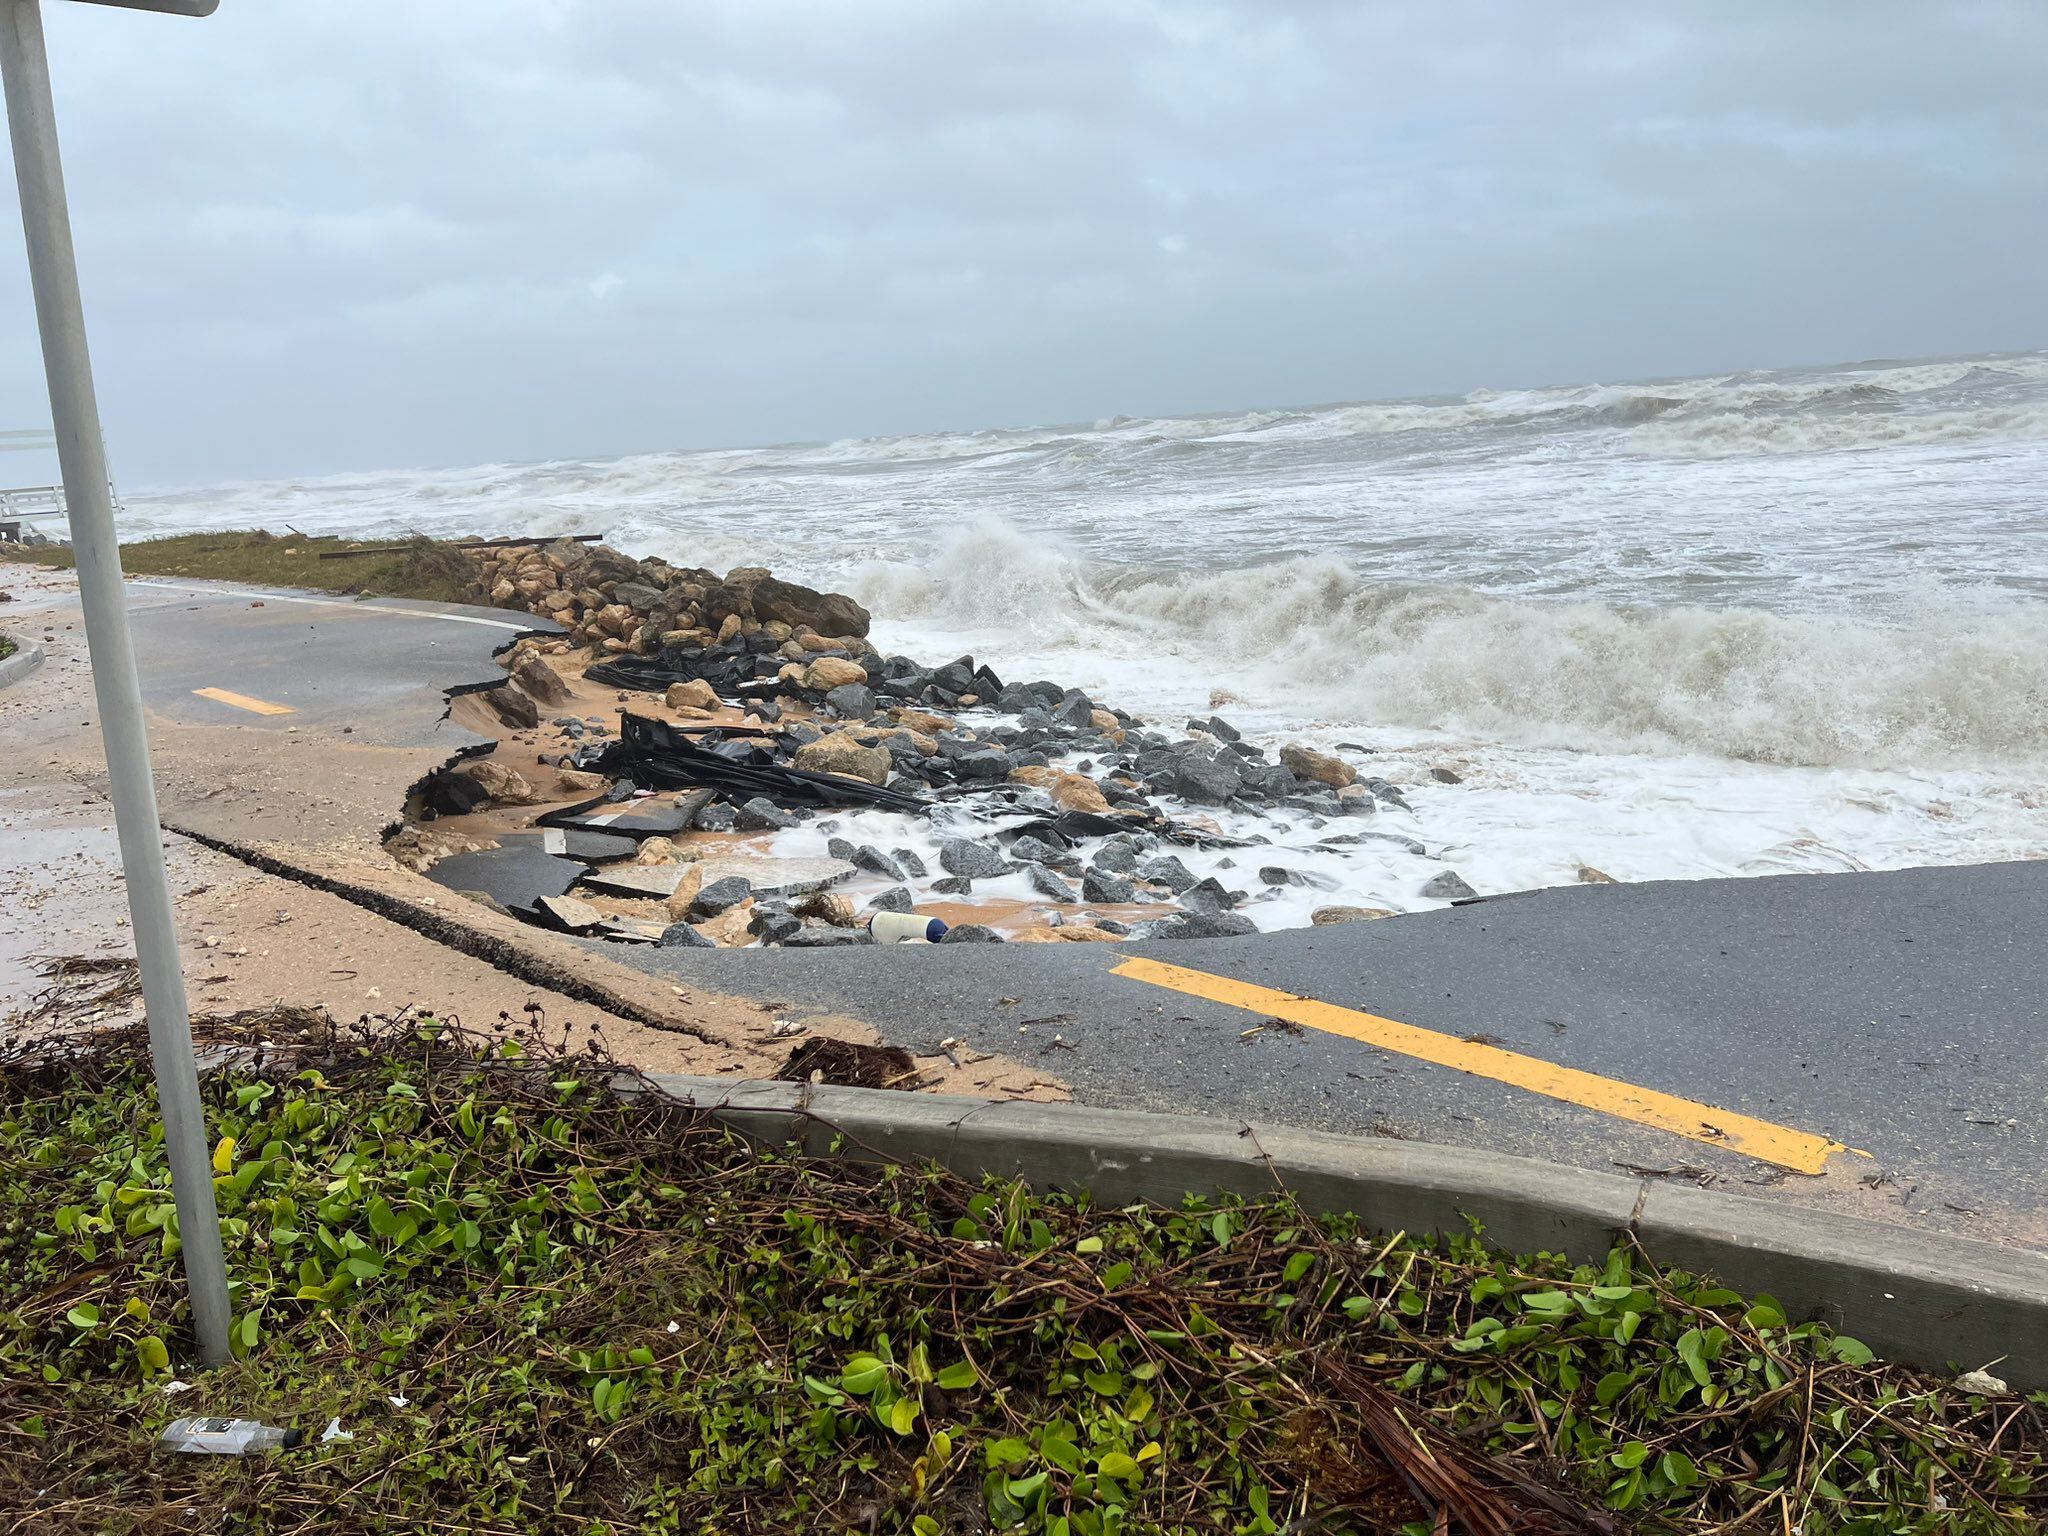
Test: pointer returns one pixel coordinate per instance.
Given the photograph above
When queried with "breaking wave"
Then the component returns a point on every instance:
(1729, 435)
(1947, 688)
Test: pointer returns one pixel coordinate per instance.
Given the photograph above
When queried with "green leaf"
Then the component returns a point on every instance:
(862, 1374)
(1007, 1453)
(903, 1414)
(1678, 1469)
(958, 1377)
(1853, 1351)
(925, 1525)
(1056, 1446)
(1089, 1245)
(1547, 1301)
(151, 1355)
(1117, 1464)
(1297, 1266)
(1611, 1386)
(1634, 1454)
(1692, 1350)
(84, 1315)
(1766, 1313)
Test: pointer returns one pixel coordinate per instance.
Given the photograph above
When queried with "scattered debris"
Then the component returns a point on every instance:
(849, 1064)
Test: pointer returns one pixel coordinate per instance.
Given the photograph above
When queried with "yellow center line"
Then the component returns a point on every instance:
(243, 701)
(1799, 1151)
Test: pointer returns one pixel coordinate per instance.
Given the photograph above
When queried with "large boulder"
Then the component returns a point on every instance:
(1317, 767)
(829, 672)
(1324, 917)
(694, 693)
(541, 680)
(505, 785)
(840, 753)
(829, 613)
(638, 596)
(1204, 780)
(1448, 886)
(972, 860)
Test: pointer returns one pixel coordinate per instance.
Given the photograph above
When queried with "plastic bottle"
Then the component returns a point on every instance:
(227, 1437)
(906, 928)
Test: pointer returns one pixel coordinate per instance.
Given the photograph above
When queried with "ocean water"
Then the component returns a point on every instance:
(1749, 624)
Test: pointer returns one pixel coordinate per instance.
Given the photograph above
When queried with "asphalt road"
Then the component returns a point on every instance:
(1899, 1014)
(378, 666)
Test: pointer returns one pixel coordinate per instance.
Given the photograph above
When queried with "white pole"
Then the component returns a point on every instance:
(53, 270)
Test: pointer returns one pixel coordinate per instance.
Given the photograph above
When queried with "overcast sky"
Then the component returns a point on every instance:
(333, 234)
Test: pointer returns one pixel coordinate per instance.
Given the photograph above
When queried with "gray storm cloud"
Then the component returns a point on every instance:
(329, 234)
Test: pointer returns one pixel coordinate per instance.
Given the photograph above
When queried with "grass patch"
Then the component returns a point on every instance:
(6, 647)
(423, 568)
(541, 1309)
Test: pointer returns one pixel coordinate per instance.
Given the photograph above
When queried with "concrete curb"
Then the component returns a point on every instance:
(28, 655)
(1917, 1298)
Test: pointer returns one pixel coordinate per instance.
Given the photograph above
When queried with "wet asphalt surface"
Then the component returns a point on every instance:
(1899, 1013)
(379, 666)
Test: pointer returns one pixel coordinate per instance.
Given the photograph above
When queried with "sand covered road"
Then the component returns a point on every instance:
(309, 795)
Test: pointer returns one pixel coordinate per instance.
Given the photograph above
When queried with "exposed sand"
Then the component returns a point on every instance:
(252, 938)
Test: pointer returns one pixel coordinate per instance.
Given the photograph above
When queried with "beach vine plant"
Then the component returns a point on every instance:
(539, 1304)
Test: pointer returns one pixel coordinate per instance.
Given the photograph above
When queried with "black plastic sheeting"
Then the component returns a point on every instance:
(656, 755)
(730, 672)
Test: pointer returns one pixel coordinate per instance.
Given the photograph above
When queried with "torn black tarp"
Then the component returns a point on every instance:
(656, 755)
(728, 669)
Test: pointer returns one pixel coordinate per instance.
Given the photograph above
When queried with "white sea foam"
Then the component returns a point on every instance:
(1725, 435)
(1740, 624)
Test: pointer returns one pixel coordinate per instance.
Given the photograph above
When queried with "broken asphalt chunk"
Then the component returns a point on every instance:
(515, 878)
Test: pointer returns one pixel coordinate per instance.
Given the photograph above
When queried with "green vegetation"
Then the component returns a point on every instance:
(540, 1308)
(6, 647)
(423, 568)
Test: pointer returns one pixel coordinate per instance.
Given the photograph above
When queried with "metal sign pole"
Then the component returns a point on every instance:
(53, 270)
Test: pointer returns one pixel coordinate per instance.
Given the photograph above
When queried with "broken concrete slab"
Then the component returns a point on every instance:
(768, 876)
(630, 930)
(653, 881)
(573, 843)
(632, 818)
(515, 878)
(568, 914)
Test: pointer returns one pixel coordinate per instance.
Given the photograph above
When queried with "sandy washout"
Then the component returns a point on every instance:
(254, 939)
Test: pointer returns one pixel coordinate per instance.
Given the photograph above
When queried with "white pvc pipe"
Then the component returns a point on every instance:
(53, 270)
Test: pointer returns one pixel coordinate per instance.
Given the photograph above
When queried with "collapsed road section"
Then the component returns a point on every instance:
(711, 717)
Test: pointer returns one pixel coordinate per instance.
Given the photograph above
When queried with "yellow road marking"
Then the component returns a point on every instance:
(243, 701)
(1799, 1151)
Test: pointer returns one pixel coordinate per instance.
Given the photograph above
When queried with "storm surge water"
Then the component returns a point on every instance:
(1749, 623)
